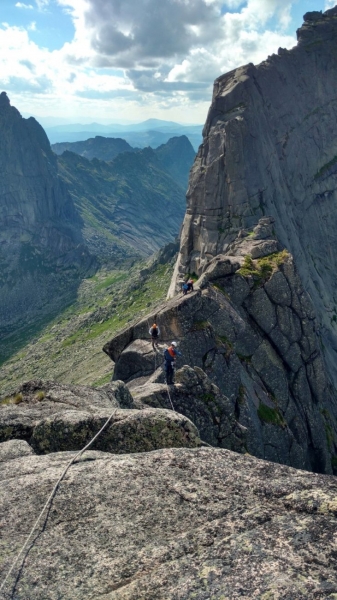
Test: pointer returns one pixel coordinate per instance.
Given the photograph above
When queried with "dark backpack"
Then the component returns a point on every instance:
(154, 332)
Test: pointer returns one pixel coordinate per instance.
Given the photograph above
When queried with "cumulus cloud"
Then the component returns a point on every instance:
(158, 53)
(176, 44)
(23, 5)
(42, 4)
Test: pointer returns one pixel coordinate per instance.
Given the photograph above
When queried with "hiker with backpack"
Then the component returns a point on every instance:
(190, 285)
(184, 288)
(154, 332)
(170, 356)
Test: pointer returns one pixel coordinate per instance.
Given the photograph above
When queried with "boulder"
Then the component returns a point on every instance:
(196, 397)
(51, 417)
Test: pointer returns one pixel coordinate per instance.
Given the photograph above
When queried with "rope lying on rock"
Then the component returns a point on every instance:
(51, 496)
(54, 490)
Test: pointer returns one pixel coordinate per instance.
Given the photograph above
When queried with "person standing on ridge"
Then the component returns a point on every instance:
(154, 332)
(190, 285)
(184, 288)
(170, 356)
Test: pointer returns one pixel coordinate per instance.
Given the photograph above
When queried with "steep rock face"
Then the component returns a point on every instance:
(41, 246)
(250, 326)
(270, 149)
(32, 197)
(166, 525)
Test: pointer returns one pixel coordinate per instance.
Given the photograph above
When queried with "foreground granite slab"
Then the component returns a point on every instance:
(170, 524)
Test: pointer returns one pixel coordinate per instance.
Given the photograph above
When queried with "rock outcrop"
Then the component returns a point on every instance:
(270, 149)
(52, 417)
(196, 397)
(258, 232)
(251, 327)
(166, 525)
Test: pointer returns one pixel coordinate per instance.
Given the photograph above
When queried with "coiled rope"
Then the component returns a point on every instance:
(51, 496)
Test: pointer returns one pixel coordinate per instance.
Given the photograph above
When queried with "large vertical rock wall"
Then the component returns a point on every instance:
(270, 148)
(41, 245)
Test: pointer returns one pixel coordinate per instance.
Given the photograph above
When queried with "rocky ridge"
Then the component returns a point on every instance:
(98, 147)
(269, 149)
(131, 206)
(52, 417)
(251, 328)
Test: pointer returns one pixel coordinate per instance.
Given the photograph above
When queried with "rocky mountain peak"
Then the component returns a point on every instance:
(270, 149)
(4, 100)
(40, 226)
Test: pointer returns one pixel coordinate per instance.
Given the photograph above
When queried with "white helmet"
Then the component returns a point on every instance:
(174, 344)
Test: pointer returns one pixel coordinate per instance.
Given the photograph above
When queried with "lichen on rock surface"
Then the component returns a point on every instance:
(174, 523)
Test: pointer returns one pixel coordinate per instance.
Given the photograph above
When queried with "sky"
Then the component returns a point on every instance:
(113, 61)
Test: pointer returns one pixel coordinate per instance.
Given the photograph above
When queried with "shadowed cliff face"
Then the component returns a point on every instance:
(270, 148)
(41, 246)
(31, 194)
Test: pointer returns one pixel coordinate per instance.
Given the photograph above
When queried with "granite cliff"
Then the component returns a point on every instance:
(42, 251)
(257, 235)
(270, 149)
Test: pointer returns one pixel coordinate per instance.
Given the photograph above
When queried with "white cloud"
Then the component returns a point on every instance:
(23, 5)
(155, 54)
(175, 38)
(329, 4)
(42, 4)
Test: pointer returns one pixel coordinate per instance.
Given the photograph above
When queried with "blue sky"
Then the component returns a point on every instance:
(115, 60)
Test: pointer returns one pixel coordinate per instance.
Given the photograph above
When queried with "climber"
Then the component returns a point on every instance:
(190, 285)
(170, 356)
(184, 288)
(154, 332)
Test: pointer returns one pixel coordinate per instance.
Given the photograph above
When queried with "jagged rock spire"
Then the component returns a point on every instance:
(4, 100)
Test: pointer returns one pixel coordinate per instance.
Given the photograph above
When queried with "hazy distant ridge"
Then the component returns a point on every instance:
(152, 132)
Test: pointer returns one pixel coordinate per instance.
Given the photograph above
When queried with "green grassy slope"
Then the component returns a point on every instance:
(69, 349)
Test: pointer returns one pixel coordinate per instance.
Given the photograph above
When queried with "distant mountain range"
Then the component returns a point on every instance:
(176, 156)
(62, 217)
(152, 132)
(132, 205)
